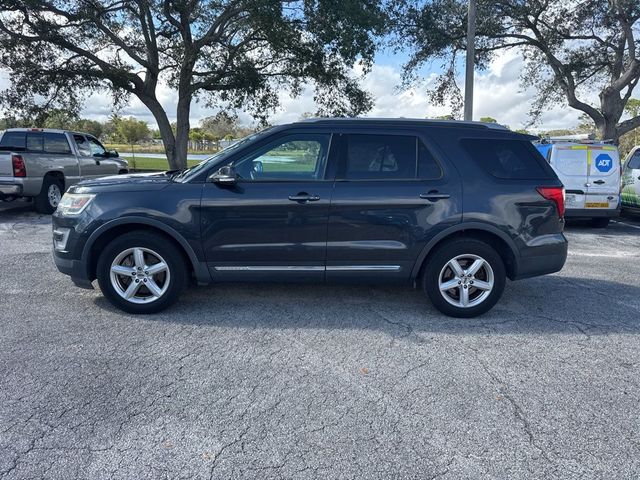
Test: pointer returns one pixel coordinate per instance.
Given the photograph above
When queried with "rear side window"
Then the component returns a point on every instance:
(13, 141)
(387, 157)
(56, 143)
(506, 158)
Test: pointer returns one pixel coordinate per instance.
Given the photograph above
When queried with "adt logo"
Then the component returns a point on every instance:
(604, 162)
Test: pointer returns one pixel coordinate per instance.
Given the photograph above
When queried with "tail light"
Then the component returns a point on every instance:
(19, 170)
(555, 194)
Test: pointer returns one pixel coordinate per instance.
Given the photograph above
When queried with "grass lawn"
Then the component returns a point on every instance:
(148, 163)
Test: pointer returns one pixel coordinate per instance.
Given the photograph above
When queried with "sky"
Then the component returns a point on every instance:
(497, 94)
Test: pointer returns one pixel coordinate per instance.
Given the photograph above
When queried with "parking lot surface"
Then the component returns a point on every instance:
(321, 381)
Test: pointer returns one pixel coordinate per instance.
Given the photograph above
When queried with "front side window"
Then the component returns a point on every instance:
(96, 147)
(294, 157)
(634, 161)
(83, 145)
(56, 143)
(386, 157)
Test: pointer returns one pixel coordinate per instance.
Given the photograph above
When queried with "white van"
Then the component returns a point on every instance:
(631, 181)
(590, 173)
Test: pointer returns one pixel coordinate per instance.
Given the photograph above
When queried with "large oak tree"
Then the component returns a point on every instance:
(571, 49)
(236, 53)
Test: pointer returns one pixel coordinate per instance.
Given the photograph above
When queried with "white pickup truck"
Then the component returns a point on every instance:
(42, 163)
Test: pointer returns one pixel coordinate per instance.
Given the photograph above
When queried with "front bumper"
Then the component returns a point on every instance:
(75, 269)
(542, 255)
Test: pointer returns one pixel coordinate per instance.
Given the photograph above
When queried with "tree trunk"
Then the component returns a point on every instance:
(182, 129)
(166, 132)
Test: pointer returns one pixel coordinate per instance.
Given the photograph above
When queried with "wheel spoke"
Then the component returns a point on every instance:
(138, 257)
(449, 285)
(464, 297)
(481, 285)
(122, 270)
(455, 266)
(475, 266)
(156, 268)
(132, 289)
(153, 288)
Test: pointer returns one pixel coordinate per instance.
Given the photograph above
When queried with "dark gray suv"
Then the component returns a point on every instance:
(450, 207)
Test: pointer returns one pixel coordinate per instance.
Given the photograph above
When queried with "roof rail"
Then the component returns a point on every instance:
(584, 138)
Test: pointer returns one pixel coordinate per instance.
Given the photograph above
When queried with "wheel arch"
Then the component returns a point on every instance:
(55, 174)
(480, 231)
(105, 233)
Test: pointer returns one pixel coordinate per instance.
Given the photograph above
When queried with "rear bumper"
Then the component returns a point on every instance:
(592, 212)
(543, 255)
(75, 269)
(10, 190)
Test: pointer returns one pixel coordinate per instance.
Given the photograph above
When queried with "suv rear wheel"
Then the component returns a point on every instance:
(464, 278)
(141, 272)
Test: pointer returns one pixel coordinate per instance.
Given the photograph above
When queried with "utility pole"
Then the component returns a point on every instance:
(471, 47)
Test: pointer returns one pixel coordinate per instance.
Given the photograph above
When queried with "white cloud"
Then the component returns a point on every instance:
(497, 94)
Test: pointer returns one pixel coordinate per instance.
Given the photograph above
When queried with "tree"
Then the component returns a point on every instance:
(633, 109)
(132, 131)
(488, 120)
(221, 124)
(232, 52)
(570, 49)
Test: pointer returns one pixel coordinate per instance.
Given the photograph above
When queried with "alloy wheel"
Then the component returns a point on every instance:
(140, 275)
(466, 281)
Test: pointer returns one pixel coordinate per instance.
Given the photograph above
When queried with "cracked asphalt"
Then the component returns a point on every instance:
(316, 381)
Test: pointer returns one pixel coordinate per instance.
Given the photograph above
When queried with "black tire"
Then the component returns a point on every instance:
(43, 202)
(153, 244)
(600, 222)
(437, 263)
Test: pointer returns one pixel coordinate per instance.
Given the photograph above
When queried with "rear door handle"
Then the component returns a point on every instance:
(304, 198)
(434, 196)
(599, 182)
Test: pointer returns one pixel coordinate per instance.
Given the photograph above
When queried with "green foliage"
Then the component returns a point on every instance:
(488, 120)
(60, 51)
(569, 48)
(131, 130)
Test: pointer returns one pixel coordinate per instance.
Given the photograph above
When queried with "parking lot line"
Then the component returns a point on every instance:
(627, 224)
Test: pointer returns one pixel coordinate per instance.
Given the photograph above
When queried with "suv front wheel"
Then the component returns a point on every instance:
(141, 272)
(464, 278)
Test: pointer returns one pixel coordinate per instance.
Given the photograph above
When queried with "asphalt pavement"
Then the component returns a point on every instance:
(321, 381)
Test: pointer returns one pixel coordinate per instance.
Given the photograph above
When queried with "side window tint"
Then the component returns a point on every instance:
(56, 143)
(14, 140)
(505, 158)
(428, 166)
(294, 157)
(83, 145)
(34, 142)
(634, 161)
(380, 157)
(96, 147)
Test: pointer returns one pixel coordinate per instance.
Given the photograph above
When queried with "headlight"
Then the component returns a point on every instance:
(74, 203)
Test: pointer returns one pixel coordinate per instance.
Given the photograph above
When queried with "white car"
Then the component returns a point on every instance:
(590, 173)
(631, 181)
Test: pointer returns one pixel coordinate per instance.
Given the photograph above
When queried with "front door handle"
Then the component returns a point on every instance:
(303, 197)
(599, 182)
(433, 196)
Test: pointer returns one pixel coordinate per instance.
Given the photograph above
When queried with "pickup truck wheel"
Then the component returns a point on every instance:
(464, 278)
(50, 194)
(141, 272)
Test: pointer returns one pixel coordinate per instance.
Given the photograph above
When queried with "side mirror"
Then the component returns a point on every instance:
(224, 176)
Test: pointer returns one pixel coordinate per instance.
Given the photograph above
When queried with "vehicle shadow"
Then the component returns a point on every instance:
(553, 304)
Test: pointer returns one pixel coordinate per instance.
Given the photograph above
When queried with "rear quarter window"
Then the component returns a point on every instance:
(505, 158)
(13, 141)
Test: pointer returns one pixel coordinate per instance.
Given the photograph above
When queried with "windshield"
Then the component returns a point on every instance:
(189, 173)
